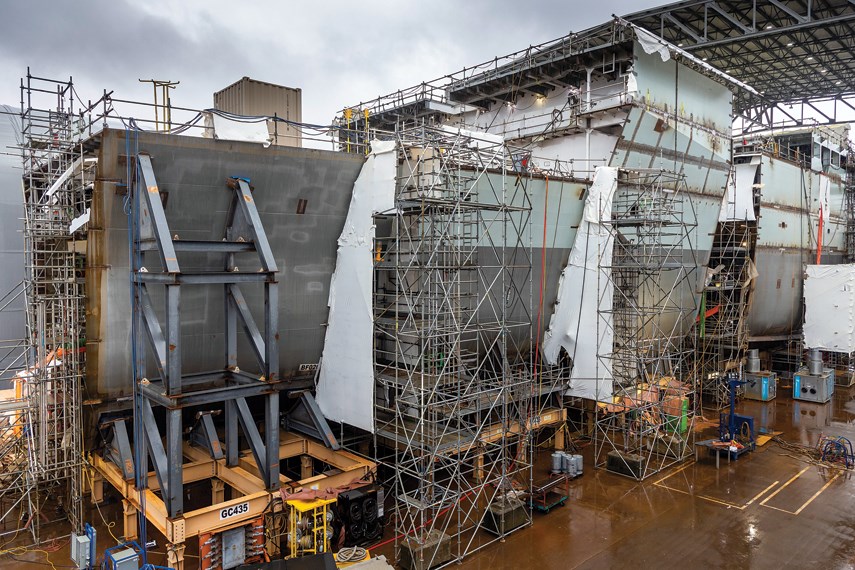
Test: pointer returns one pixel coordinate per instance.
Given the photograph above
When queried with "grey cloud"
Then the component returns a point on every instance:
(350, 54)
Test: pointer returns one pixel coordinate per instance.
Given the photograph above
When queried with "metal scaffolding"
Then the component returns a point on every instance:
(722, 331)
(41, 453)
(647, 426)
(453, 345)
(849, 205)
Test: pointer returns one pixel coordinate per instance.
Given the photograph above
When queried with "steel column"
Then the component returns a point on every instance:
(172, 380)
(231, 434)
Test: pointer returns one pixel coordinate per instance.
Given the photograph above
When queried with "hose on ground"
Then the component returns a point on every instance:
(352, 554)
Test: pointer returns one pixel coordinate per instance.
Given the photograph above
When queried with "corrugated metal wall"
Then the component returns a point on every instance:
(258, 98)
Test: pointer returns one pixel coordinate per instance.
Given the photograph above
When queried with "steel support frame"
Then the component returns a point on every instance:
(172, 391)
(243, 478)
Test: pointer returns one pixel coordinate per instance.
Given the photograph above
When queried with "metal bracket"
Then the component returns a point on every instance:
(204, 434)
(306, 418)
(119, 450)
(174, 391)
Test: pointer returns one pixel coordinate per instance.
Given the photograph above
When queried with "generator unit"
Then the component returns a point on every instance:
(814, 383)
(761, 384)
(361, 513)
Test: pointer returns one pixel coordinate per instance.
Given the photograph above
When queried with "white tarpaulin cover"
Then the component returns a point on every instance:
(346, 381)
(652, 44)
(738, 202)
(476, 139)
(830, 307)
(583, 294)
(223, 128)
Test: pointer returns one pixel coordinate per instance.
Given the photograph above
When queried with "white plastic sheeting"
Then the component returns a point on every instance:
(222, 128)
(579, 323)
(475, 139)
(830, 307)
(631, 83)
(63, 178)
(345, 390)
(738, 202)
(79, 221)
(652, 44)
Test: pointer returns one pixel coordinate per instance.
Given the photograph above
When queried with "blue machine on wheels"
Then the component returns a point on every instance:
(736, 427)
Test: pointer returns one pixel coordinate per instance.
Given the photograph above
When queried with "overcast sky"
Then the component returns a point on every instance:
(339, 53)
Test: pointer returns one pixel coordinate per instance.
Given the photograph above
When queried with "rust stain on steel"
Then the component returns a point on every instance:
(152, 189)
(670, 154)
(247, 197)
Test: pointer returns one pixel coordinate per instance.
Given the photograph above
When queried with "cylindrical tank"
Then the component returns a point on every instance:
(557, 462)
(578, 464)
(815, 362)
(753, 361)
(568, 464)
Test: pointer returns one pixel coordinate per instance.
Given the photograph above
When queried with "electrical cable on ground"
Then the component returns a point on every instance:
(12, 552)
(351, 554)
(815, 455)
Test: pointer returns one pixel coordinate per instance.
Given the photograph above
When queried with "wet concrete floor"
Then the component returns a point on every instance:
(765, 510)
